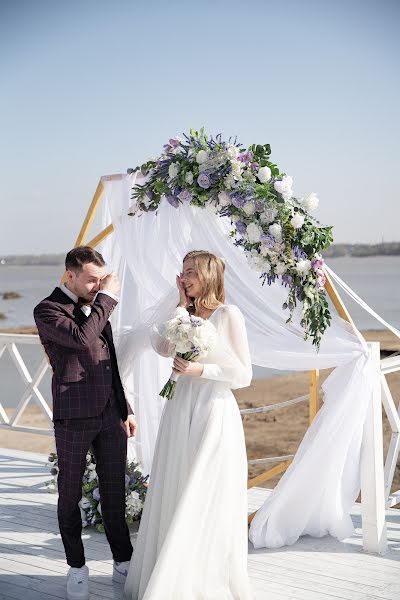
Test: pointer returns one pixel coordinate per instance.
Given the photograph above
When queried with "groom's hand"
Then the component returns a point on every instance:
(130, 426)
(110, 283)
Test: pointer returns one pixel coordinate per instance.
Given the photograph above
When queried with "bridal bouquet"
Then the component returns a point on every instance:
(280, 237)
(192, 337)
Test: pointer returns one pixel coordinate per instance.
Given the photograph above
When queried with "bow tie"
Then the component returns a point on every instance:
(84, 302)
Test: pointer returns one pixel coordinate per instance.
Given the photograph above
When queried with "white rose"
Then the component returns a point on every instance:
(247, 174)
(253, 233)
(284, 187)
(235, 218)
(303, 266)
(189, 177)
(229, 181)
(280, 268)
(297, 221)
(233, 151)
(224, 199)
(236, 168)
(173, 170)
(92, 476)
(276, 231)
(264, 174)
(84, 503)
(256, 262)
(311, 202)
(249, 209)
(309, 291)
(201, 156)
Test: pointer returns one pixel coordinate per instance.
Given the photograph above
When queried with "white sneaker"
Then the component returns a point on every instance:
(78, 583)
(120, 571)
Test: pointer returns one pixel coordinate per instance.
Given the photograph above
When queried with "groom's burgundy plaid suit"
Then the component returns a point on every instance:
(88, 405)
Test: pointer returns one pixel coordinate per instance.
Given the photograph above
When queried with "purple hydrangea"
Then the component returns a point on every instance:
(204, 181)
(96, 494)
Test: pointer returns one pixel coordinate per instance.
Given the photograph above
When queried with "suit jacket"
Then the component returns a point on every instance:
(82, 355)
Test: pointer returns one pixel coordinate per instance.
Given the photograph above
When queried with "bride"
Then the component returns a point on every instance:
(192, 540)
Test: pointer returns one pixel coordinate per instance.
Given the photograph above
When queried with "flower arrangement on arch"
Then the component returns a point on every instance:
(281, 239)
(90, 503)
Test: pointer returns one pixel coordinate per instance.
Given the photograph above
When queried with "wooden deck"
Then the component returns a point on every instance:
(32, 564)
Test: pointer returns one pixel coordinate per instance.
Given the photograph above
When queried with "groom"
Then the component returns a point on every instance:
(89, 407)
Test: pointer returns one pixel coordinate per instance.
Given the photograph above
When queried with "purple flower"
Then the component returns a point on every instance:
(240, 227)
(259, 205)
(321, 280)
(174, 142)
(237, 200)
(245, 157)
(286, 279)
(173, 200)
(317, 263)
(299, 253)
(255, 166)
(96, 494)
(204, 181)
(267, 240)
(185, 196)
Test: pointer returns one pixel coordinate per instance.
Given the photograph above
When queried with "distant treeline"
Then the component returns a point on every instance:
(385, 249)
(26, 259)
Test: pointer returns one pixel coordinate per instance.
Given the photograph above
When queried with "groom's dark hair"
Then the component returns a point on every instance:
(82, 255)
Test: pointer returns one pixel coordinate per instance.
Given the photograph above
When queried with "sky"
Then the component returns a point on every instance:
(90, 88)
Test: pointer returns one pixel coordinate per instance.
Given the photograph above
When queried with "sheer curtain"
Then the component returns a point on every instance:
(316, 493)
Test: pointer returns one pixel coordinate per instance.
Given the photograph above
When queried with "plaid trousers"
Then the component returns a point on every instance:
(105, 435)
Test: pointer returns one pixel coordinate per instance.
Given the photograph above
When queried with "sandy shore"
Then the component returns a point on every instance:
(267, 434)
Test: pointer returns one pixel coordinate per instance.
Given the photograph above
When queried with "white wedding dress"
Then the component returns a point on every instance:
(192, 541)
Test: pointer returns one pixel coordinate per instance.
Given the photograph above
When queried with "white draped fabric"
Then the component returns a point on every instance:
(316, 493)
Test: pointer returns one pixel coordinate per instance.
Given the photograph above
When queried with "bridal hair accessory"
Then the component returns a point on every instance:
(280, 238)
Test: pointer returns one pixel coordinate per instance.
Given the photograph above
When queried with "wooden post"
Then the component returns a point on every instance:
(313, 403)
(373, 503)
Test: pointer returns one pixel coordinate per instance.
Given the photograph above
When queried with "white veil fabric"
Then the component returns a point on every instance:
(316, 493)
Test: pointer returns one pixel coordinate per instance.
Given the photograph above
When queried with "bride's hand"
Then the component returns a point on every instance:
(187, 367)
(184, 300)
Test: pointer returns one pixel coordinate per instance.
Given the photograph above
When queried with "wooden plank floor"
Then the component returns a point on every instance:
(32, 563)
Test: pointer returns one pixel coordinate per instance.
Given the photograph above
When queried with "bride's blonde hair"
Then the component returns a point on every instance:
(210, 271)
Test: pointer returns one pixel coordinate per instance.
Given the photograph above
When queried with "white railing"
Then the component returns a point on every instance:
(9, 343)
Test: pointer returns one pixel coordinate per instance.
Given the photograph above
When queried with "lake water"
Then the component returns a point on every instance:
(375, 279)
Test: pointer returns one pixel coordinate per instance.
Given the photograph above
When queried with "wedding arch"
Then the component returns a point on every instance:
(342, 449)
(361, 419)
